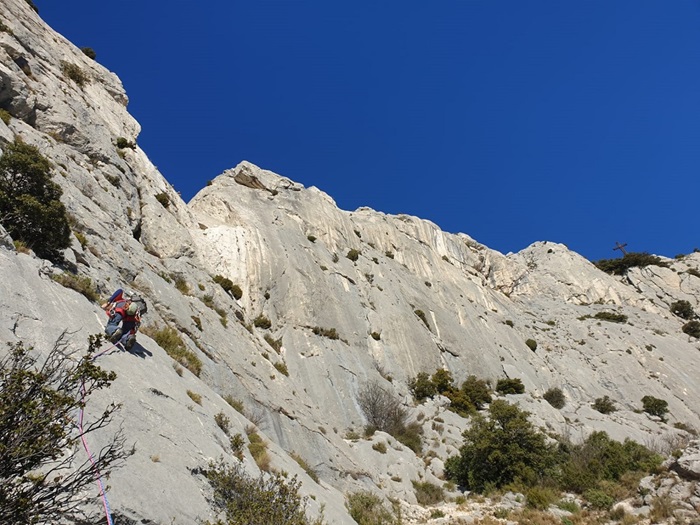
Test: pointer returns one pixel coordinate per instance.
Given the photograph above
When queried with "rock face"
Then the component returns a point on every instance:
(309, 268)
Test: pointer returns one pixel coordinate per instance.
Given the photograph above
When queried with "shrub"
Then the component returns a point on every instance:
(428, 493)
(89, 52)
(510, 386)
(380, 447)
(389, 254)
(540, 497)
(477, 391)
(330, 333)
(80, 284)
(228, 286)
(258, 449)
(384, 412)
(281, 368)
(30, 206)
(682, 309)
(311, 238)
(555, 397)
(236, 404)
(499, 450)
(655, 406)
(598, 499)
(223, 422)
(39, 400)
(304, 465)
(531, 344)
(237, 443)
(74, 73)
(123, 143)
(169, 340)
(353, 254)
(629, 260)
(5, 116)
(692, 328)
(443, 381)
(604, 405)
(276, 344)
(611, 317)
(367, 509)
(262, 322)
(194, 396)
(376, 336)
(421, 387)
(163, 199)
(268, 498)
(181, 284)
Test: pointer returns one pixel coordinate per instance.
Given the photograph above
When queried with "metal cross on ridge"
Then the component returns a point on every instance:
(620, 247)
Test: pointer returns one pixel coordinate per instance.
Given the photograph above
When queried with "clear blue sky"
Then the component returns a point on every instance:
(512, 121)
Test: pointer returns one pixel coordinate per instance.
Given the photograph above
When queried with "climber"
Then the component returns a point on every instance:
(124, 310)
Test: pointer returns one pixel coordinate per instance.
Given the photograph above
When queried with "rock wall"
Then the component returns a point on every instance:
(304, 264)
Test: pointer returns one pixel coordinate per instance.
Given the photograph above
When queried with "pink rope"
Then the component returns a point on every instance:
(91, 457)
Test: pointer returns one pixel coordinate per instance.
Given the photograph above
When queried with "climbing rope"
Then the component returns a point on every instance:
(91, 457)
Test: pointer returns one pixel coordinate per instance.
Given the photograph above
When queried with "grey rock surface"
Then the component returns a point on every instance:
(287, 247)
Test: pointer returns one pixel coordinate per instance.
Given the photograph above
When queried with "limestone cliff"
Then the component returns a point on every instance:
(306, 265)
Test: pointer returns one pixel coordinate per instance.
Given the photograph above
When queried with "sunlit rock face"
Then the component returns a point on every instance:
(351, 299)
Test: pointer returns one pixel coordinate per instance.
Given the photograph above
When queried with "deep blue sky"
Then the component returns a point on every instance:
(511, 121)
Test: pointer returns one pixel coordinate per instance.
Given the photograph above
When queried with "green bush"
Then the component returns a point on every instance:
(477, 391)
(330, 333)
(604, 405)
(599, 458)
(421, 387)
(376, 336)
(311, 238)
(443, 381)
(228, 286)
(428, 493)
(275, 344)
(281, 368)
(89, 52)
(655, 406)
(367, 509)
(5, 116)
(223, 422)
(169, 340)
(74, 73)
(123, 143)
(692, 328)
(510, 386)
(629, 260)
(163, 199)
(500, 450)
(305, 466)
(541, 497)
(271, 499)
(262, 322)
(555, 397)
(43, 478)
(30, 206)
(353, 254)
(80, 284)
(531, 344)
(683, 309)
(598, 499)
(611, 317)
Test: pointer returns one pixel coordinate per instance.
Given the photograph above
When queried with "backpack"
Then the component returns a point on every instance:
(140, 301)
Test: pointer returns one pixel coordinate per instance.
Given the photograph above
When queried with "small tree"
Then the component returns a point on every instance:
(555, 397)
(682, 309)
(604, 405)
(510, 386)
(655, 406)
(477, 390)
(42, 477)
(30, 206)
(421, 387)
(499, 450)
(248, 500)
(692, 328)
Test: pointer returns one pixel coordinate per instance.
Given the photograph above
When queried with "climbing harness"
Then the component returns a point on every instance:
(91, 457)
